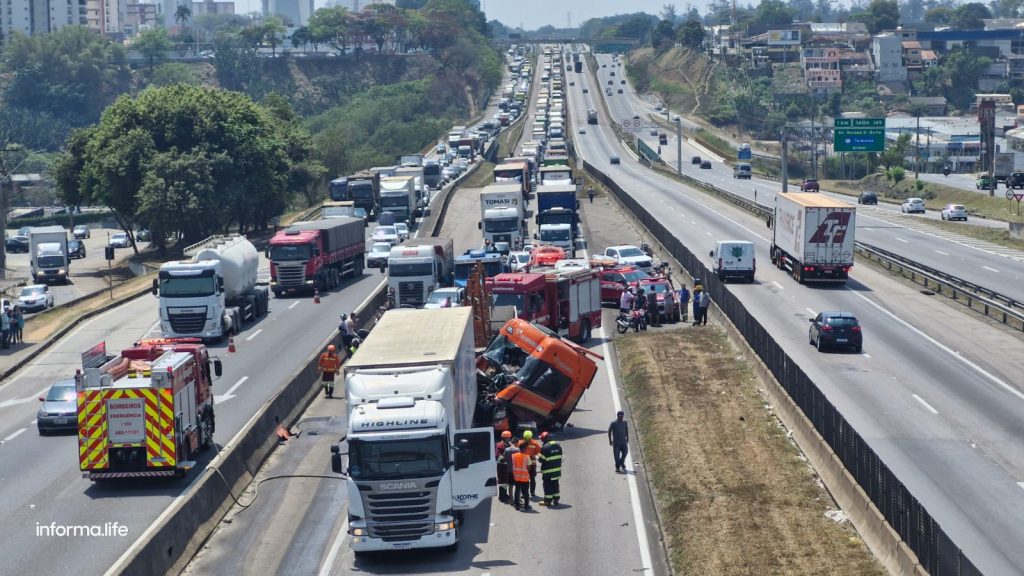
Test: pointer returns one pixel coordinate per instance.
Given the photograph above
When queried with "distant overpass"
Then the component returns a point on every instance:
(612, 44)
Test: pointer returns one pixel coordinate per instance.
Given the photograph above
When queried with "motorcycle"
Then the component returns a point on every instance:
(663, 269)
(646, 248)
(635, 319)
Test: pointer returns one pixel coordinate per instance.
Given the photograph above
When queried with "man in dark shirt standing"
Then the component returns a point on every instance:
(618, 437)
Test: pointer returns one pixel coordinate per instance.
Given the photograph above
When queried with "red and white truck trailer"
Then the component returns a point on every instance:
(813, 237)
(316, 255)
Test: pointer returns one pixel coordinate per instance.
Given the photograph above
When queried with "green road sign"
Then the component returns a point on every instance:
(859, 135)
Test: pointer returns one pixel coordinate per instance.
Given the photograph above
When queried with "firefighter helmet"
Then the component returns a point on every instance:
(506, 435)
(544, 436)
(527, 435)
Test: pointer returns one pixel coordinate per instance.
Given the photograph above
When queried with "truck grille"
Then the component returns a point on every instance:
(291, 275)
(410, 293)
(187, 323)
(398, 516)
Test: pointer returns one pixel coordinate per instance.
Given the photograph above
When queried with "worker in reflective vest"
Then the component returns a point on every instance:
(521, 478)
(329, 365)
(550, 468)
(532, 449)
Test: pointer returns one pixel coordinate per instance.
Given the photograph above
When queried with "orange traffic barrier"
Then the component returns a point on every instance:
(231, 343)
(316, 296)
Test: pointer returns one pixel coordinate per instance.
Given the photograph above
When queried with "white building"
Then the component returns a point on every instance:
(887, 52)
(38, 16)
(107, 16)
(295, 12)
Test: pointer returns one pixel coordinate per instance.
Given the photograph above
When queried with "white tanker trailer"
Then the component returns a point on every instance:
(212, 293)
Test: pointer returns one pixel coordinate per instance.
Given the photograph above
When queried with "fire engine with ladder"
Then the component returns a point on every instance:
(146, 412)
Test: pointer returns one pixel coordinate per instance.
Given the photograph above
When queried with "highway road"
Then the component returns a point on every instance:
(997, 268)
(593, 531)
(929, 393)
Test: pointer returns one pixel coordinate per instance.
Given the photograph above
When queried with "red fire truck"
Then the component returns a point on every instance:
(567, 301)
(146, 412)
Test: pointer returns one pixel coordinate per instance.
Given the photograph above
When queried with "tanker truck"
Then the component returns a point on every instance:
(209, 295)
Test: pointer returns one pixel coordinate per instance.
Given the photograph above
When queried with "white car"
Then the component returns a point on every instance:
(439, 297)
(912, 206)
(517, 261)
(954, 212)
(449, 173)
(35, 297)
(630, 255)
(387, 234)
(378, 255)
(120, 240)
(403, 231)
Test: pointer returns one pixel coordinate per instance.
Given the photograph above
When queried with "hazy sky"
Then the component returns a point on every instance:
(533, 14)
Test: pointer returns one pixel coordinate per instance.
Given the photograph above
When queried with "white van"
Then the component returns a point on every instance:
(734, 259)
(742, 170)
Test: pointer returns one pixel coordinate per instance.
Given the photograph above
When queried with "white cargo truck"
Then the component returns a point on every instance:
(209, 295)
(398, 196)
(813, 237)
(415, 462)
(415, 171)
(420, 266)
(501, 213)
(48, 254)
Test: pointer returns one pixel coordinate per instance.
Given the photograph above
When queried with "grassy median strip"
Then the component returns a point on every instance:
(734, 495)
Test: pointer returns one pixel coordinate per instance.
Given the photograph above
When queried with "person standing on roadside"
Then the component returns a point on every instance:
(618, 438)
(591, 194)
(19, 325)
(626, 300)
(521, 478)
(684, 301)
(550, 468)
(705, 303)
(329, 365)
(504, 478)
(697, 295)
(532, 449)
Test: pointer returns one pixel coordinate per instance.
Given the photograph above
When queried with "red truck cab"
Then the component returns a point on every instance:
(316, 255)
(566, 301)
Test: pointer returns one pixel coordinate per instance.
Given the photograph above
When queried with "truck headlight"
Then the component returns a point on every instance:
(442, 526)
(60, 271)
(357, 531)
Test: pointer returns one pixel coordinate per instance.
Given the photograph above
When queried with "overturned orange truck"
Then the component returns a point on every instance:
(531, 377)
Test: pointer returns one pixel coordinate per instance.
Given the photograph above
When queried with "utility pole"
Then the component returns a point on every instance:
(917, 146)
(679, 145)
(785, 161)
(5, 176)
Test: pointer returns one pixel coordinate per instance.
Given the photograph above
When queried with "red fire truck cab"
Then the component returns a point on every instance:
(567, 301)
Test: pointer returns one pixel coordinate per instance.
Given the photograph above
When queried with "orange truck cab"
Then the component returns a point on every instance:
(529, 374)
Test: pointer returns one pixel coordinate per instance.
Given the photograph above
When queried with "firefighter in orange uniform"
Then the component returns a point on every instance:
(329, 365)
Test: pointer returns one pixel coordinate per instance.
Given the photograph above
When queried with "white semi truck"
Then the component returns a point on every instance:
(48, 254)
(398, 196)
(813, 237)
(501, 213)
(415, 462)
(209, 295)
(418, 267)
(415, 171)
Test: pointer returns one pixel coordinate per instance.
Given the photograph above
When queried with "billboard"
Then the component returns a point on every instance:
(783, 37)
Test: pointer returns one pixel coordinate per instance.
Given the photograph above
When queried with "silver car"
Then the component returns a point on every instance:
(35, 297)
(59, 409)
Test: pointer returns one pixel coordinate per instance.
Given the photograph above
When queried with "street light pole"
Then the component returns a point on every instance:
(679, 145)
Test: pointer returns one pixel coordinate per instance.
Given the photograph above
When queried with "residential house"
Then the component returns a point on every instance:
(820, 64)
(933, 105)
(912, 56)
(887, 52)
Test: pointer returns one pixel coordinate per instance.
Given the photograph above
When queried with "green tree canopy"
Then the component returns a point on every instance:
(153, 44)
(771, 15)
(879, 15)
(691, 34)
(969, 16)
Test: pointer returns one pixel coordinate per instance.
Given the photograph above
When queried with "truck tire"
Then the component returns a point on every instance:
(585, 331)
(798, 273)
(206, 432)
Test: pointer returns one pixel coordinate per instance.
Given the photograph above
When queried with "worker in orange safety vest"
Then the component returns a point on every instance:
(521, 478)
(532, 449)
(329, 365)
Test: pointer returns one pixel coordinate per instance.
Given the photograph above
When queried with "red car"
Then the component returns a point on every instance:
(546, 255)
(615, 280)
(666, 294)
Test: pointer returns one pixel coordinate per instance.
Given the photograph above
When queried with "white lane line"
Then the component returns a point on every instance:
(1021, 484)
(708, 233)
(294, 304)
(865, 354)
(634, 493)
(869, 229)
(328, 566)
(813, 313)
(777, 285)
(925, 404)
(942, 253)
(254, 334)
(949, 351)
(34, 422)
(902, 240)
(15, 435)
(988, 268)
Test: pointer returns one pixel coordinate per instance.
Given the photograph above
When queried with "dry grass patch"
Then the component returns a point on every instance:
(735, 496)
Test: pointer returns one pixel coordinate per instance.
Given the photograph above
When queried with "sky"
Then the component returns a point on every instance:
(532, 14)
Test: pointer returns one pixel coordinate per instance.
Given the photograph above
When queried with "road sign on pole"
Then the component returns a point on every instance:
(859, 135)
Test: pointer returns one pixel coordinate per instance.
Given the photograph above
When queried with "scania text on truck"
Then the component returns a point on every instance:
(501, 213)
(813, 236)
(311, 256)
(398, 196)
(209, 295)
(415, 462)
(418, 267)
(146, 412)
(48, 254)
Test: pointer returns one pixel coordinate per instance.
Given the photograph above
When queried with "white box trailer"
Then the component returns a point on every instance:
(813, 237)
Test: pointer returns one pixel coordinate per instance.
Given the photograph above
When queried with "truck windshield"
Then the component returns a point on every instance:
(501, 225)
(394, 201)
(339, 191)
(404, 269)
(556, 218)
(420, 458)
(51, 261)
(555, 235)
(360, 190)
(517, 300)
(540, 378)
(556, 178)
(464, 269)
(289, 252)
(186, 286)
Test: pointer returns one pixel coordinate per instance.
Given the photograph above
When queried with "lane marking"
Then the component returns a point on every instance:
(811, 311)
(294, 304)
(15, 435)
(942, 253)
(254, 334)
(779, 286)
(926, 405)
(869, 229)
(1021, 484)
(34, 422)
(989, 268)
(708, 233)
(865, 354)
(902, 240)
(328, 566)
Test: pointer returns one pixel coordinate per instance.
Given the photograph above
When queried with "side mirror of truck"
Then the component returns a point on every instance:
(220, 285)
(535, 236)
(462, 455)
(383, 268)
(156, 287)
(336, 459)
(479, 225)
(218, 368)
(712, 253)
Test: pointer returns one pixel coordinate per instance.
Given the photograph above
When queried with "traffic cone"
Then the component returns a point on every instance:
(316, 296)
(231, 343)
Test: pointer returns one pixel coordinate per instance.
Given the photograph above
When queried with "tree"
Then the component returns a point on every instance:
(668, 12)
(153, 44)
(182, 14)
(823, 10)
(273, 32)
(691, 34)
(771, 15)
(174, 73)
(896, 154)
(969, 16)
(912, 11)
(330, 26)
(663, 37)
(939, 16)
(302, 38)
(962, 70)
(879, 15)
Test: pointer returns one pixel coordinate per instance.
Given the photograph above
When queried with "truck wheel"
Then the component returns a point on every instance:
(205, 434)
(585, 332)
